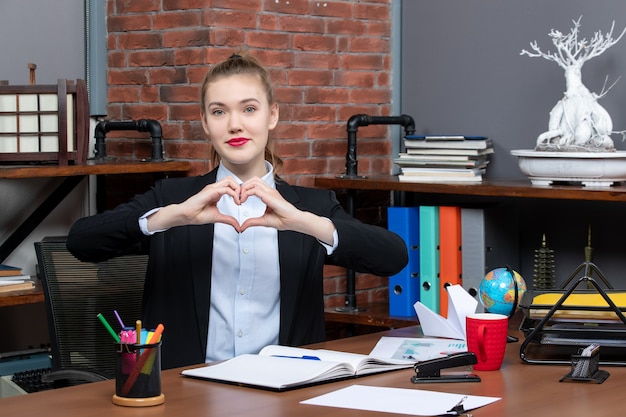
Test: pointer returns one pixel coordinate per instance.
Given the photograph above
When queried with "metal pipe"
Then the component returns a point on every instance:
(143, 125)
(351, 172)
(365, 120)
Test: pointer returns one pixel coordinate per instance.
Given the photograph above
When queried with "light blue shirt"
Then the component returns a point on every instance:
(245, 280)
(244, 313)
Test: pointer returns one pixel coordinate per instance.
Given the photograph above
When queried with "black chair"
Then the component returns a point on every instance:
(75, 293)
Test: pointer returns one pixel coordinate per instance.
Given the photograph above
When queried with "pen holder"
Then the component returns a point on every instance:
(138, 375)
(585, 368)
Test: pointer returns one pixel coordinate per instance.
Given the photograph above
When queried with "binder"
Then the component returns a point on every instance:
(473, 251)
(429, 256)
(489, 240)
(404, 286)
(450, 258)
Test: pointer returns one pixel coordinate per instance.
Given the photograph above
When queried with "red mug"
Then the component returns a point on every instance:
(486, 337)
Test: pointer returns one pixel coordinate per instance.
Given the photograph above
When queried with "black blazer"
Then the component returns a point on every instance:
(178, 281)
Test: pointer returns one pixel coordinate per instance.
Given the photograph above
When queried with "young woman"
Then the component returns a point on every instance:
(236, 255)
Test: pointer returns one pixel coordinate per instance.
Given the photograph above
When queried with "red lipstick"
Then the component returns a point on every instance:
(238, 141)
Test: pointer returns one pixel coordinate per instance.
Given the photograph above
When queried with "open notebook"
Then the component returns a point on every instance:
(281, 367)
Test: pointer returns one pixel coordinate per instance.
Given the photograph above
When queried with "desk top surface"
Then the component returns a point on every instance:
(524, 389)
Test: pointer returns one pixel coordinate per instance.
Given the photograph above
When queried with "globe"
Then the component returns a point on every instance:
(497, 290)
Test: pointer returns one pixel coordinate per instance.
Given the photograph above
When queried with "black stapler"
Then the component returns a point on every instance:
(430, 370)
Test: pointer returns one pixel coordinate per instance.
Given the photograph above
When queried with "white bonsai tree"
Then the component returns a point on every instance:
(577, 122)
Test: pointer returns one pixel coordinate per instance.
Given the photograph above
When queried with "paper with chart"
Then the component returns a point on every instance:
(413, 402)
(460, 305)
(417, 349)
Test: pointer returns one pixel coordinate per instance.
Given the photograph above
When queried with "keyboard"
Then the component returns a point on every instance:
(30, 381)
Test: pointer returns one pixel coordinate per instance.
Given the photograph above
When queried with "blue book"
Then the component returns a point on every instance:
(429, 256)
(404, 287)
(8, 270)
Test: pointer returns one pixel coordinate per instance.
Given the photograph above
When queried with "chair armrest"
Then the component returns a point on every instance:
(73, 374)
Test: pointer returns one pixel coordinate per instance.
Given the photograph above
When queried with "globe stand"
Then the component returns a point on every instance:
(509, 338)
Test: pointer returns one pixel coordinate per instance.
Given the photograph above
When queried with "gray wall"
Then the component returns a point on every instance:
(49, 33)
(462, 71)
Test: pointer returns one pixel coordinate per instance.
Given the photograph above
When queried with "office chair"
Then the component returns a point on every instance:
(75, 292)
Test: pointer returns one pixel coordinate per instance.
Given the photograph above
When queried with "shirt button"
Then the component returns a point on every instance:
(245, 213)
(246, 250)
(242, 291)
(240, 333)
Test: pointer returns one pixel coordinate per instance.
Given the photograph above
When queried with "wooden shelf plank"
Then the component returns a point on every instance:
(12, 298)
(488, 188)
(371, 314)
(92, 167)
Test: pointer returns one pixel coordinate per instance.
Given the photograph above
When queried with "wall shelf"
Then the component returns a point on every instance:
(488, 188)
(92, 167)
(73, 175)
(489, 191)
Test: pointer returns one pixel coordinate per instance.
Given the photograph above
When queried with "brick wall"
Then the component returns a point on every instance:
(329, 60)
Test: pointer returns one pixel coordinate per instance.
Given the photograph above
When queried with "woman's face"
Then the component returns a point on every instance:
(237, 119)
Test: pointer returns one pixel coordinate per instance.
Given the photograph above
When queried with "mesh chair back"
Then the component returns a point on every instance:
(75, 292)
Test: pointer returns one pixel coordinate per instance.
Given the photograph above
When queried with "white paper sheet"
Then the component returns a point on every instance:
(460, 305)
(398, 400)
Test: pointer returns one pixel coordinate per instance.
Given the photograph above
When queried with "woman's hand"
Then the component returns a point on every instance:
(198, 209)
(282, 215)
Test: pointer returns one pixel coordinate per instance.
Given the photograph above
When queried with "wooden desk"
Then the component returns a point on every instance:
(525, 390)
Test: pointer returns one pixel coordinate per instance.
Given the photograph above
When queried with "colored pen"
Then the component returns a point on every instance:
(109, 328)
(157, 334)
(312, 358)
(119, 319)
(154, 337)
(138, 331)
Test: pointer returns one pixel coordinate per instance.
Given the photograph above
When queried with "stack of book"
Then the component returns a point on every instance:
(13, 279)
(440, 158)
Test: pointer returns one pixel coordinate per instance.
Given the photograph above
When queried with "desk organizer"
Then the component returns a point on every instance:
(44, 123)
(558, 322)
(585, 368)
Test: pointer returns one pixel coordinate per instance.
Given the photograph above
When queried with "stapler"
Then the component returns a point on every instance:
(430, 370)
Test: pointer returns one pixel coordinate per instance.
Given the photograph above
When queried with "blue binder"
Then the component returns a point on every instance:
(404, 287)
(429, 256)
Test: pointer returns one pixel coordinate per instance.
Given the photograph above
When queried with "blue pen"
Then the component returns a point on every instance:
(312, 358)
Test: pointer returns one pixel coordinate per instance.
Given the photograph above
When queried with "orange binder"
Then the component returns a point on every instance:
(450, 261)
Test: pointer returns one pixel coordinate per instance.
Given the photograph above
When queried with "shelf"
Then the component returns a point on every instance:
(488, 188)
(31, 296)
(92, 167)
(72, 174)
(371, 314)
